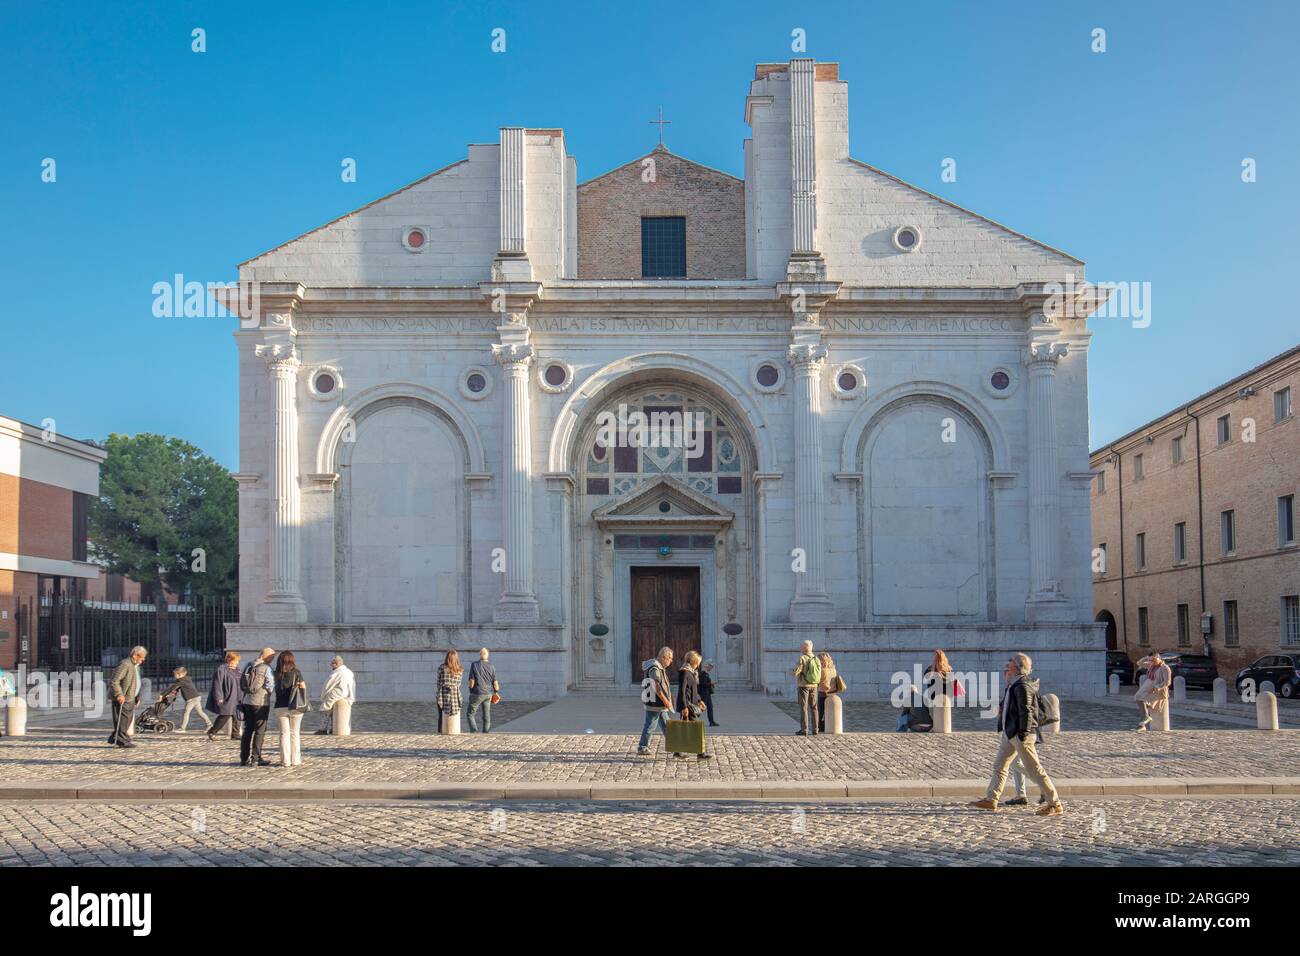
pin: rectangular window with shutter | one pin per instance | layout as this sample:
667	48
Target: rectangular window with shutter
1231	636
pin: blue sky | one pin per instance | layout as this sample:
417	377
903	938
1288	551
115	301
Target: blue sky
170	161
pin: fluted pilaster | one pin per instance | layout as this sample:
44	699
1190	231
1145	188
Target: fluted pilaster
284	598
518	603
1045	601
811	602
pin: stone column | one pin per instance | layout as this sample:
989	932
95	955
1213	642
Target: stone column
283	602
810	604
1045	602
518	603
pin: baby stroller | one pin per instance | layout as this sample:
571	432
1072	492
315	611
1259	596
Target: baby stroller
152	719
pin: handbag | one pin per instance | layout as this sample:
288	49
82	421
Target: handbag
496	698
839	686
684	736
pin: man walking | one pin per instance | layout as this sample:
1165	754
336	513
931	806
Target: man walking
482	687
339	686
125	689
808	675
655	695
1017	727
255	686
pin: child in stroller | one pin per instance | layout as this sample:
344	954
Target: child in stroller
151	718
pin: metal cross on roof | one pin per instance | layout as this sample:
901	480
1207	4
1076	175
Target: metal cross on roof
662	123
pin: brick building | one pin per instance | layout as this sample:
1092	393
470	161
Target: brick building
1194	524
46	483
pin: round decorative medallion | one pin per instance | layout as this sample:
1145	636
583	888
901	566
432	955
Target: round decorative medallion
414	238
732	628
599	630
324	383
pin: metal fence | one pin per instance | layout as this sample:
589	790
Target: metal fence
70	633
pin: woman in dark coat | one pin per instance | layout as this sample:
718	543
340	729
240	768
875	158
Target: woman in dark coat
223	697
689	703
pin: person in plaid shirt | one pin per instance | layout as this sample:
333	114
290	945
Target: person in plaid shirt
449	675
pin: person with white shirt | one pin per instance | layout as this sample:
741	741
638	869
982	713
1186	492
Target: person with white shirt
340	685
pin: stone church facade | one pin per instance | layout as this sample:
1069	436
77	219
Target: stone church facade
574	422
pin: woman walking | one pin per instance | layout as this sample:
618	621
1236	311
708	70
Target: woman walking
290	705
1153	695
449	700
828	685
689	703
223	698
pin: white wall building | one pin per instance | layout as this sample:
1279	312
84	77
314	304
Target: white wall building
890	446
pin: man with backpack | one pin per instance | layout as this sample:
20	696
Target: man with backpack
808	675
1018	723
255	689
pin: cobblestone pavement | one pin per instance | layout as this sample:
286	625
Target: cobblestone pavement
82	755
882	716
1239	832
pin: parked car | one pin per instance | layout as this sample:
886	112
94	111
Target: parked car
1196	670
1117	662
1282	669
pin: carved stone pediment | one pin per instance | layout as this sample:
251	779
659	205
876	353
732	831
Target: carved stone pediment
643	508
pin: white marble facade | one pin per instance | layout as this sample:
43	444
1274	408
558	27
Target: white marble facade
418	412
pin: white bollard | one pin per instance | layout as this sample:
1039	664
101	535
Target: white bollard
1180	689
1056	727
451	724
1161	719
1267	688
16	711
341	717
1220	692
1112	686
834	714
1266	711
942	714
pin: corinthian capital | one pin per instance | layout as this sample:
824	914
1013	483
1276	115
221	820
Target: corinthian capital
278	356
512	353
1046	353
807	357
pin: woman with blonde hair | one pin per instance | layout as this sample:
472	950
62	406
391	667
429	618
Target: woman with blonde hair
828	685
689	703
449	675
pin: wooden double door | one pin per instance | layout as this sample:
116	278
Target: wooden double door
665	613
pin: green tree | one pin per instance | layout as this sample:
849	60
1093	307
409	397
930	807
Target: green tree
161	500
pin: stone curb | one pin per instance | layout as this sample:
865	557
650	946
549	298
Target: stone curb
814	790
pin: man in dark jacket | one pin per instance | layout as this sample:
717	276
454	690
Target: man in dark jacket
125	690
223	698
1017	728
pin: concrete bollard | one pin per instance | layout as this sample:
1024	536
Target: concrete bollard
341	715
1267	688
16	713
451	724
1160	719
1266	711
1056	705
834	714
942	714
1112	685
1180	689
1220	692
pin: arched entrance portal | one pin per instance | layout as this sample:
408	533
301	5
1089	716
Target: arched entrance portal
664	530
1112	636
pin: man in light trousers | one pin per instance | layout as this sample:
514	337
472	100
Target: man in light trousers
1017	727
